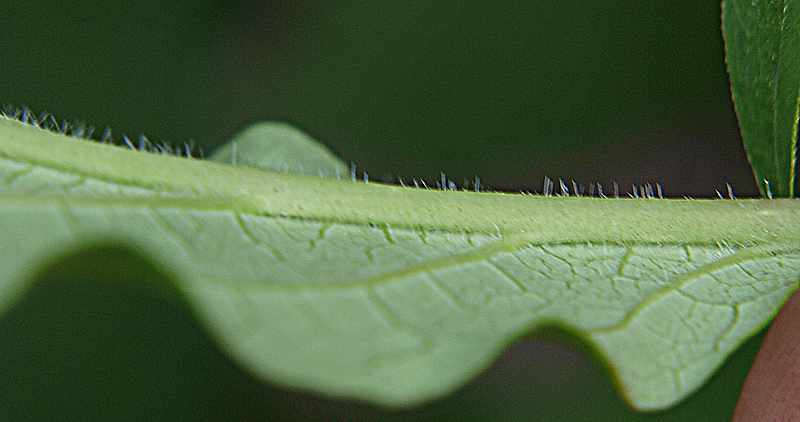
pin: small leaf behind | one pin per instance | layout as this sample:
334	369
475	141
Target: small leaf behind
280	147
762	39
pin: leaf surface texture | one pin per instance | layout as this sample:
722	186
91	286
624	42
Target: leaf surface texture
396	295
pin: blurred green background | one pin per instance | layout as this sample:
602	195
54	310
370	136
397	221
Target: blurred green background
624	90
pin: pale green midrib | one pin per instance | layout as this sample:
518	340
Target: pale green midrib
776	139
515	244
508	243
741	256
796	116
310	198
793	145
793	148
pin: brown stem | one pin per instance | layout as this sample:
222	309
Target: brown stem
772	389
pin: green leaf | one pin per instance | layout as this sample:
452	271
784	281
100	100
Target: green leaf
762	39
282	148
396	295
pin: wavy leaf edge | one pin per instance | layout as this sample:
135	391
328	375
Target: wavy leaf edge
754	233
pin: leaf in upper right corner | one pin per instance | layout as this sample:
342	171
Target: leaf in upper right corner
762	39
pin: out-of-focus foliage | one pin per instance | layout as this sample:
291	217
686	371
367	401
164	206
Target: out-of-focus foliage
619	89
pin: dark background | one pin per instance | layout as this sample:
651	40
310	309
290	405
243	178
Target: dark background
625	90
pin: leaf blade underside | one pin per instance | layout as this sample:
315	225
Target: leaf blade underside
762	42
396	295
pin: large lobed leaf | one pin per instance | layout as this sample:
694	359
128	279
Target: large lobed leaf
762	40
397	295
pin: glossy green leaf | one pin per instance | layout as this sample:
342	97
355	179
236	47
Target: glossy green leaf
762	39
396	295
